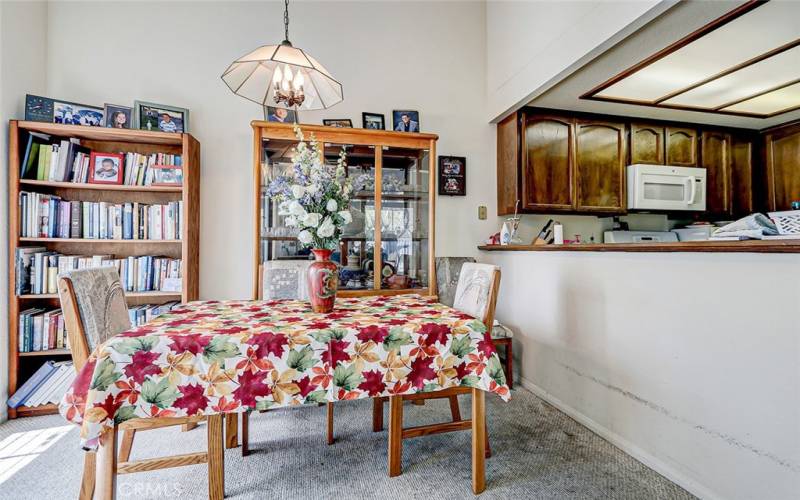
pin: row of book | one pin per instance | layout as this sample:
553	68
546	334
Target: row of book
143	314
37	269
47	385
66	160
49	216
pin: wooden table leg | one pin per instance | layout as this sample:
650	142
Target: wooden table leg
245	433
329	409
89	473
106	486
126	445
231	430
510	365
395	435
216	457
478	442
455	411
377	414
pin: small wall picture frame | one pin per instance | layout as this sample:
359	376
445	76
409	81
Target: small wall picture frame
167	175
117	116
106	168
160	118
373	121
452	175
338	122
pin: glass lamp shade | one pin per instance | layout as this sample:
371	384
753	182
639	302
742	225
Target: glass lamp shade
251	76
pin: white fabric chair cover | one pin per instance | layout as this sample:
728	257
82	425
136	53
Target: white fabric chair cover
474	287
285	279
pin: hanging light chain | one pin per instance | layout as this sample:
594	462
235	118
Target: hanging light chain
286	20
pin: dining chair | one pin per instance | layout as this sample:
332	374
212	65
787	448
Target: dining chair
94	307
476	295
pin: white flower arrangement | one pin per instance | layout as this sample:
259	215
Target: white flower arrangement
315	197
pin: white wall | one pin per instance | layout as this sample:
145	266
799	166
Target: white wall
428	56
690	362
532	45
22	70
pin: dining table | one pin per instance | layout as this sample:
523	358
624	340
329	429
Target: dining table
225	357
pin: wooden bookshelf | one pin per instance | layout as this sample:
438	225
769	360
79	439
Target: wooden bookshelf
22	365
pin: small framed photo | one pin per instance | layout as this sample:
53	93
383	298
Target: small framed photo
72	113
160	117
338	122
106	168
167	175
405	120
280	115
452	175
117	116
373	121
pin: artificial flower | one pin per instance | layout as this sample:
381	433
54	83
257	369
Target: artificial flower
305	237
346	216
326	229
295	208
298	190
312	219
331	206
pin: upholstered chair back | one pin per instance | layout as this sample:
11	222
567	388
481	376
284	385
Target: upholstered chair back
476	293
448	269
94	308
285	279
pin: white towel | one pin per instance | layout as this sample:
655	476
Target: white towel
753	226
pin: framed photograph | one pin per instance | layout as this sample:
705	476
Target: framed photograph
106	168
405	120
160	117
38	109
72	113
452	175
280	115
338	122
117	116
373	121
167	175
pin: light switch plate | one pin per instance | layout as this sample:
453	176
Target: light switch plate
481	212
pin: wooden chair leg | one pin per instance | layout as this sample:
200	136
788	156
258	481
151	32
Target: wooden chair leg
395	435
488	448
188	426
89	473
478	442
245	433
455	411
106	485
231	430
216	457
377	414
509	365
126	444
329	407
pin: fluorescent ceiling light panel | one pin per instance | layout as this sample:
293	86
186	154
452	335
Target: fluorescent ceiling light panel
770	103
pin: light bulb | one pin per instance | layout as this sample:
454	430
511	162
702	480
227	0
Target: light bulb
278	76
287	73
298	80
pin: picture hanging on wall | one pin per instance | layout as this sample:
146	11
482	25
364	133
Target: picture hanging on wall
452	175
160	118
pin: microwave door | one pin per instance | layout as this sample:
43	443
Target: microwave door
666	192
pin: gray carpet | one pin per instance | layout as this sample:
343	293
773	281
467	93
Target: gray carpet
538	452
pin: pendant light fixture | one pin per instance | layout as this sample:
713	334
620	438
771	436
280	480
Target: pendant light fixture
283	76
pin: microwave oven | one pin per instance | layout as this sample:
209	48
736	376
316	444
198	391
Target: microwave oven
666	187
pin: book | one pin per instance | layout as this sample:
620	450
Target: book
33	383
48	388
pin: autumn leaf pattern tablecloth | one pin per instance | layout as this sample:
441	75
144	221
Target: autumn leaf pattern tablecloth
232	356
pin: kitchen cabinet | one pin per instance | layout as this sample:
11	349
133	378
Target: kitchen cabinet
508	163
715	157
647	144
681	146
600	157
741	175
547	163
782	152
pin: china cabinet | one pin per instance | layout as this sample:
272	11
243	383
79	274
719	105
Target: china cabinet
388	248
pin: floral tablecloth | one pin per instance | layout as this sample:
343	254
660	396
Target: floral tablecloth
232	356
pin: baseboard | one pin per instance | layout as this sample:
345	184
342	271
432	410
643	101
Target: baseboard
623	444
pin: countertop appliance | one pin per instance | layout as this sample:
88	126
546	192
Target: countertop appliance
639	237
666	187
695	233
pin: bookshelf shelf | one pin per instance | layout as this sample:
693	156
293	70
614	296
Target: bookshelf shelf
102	140
102	187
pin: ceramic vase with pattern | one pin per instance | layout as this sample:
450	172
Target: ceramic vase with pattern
323	281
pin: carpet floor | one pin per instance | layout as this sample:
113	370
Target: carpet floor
538	453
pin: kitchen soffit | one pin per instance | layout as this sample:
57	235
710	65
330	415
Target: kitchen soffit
747	63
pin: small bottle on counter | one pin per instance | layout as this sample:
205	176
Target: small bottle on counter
558	234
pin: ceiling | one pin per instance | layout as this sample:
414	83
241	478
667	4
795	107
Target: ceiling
724	63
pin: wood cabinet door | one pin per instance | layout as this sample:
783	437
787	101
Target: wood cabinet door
647	144
783	168
508	165
681	146
741	177
600	155
715	157
547	163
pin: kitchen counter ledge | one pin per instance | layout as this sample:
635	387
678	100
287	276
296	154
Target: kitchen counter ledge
750	246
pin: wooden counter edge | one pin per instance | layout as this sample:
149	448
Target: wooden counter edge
749	246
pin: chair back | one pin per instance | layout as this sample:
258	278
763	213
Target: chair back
448	269
94	308
285	279
476	293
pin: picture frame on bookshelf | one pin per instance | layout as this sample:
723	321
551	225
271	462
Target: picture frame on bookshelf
280	115
160	117
405	121
167	175
117	116
106	168
49	110
338	122
373	121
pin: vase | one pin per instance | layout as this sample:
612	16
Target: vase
323	281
